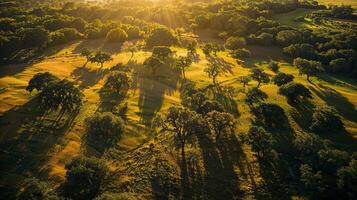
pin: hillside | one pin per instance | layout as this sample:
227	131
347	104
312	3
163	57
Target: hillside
146	163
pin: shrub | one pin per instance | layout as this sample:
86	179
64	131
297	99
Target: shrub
288	37
282	78
103	129
273	66
325	119
117	35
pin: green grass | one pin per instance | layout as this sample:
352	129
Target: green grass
45	153
290	17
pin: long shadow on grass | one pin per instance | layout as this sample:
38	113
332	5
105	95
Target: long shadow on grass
339	102
220	179
279	173
87	77
152	89
26	137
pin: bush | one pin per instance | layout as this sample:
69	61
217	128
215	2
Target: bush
161	36
301	50
273	66
85	177
294	91
282	78
116	35
325	119
264	39
161	52
103	129
234	43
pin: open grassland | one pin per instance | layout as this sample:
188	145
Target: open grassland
353	3
28	146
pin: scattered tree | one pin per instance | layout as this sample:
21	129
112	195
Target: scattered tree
294	92
161	36
88	54
308	67
117	35
282	78
260	141
220	122
153	62
233	43
118	82
260	76
245	80
183	63
325	119
101	58
40	81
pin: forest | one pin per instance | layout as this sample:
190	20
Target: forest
178	99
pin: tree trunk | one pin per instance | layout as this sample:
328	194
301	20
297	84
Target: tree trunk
183	73
258	84
101	65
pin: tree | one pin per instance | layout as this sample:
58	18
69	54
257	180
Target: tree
270	115
40	81
233	43
182	63
192	51
182	123
209	106
308	67
61	95
294	91
288	37
273	66
347	179
313	182
161	52
116	35
325	119
131	47
208	48
34	37
240	53
282	78
259	75
101	58
116	196
118	82
220	122
306	51
245	80
88	54
255	95
103	129
214	69
32	189
260	141
85	177
161	36
340	65
154	63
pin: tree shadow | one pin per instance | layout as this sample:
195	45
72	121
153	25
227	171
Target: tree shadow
99	44
152	89
224	96
302	114
87	77
26	137
226	67
220	179
109	100
339	102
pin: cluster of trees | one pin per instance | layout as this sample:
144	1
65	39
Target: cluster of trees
55	94
95	57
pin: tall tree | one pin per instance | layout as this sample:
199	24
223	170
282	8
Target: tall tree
308	67
260	76
101	58
182	63
220	122
88	54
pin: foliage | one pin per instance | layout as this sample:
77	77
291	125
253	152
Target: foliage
325	119
115	196
308	67
100	58
220	122
233	43
41	81
282	78
313	182
161	52
87	53
260	76
85	177
117	35
255	95
294	91
288	37
32	189
153	62
103	129
161	36
245	80
241	53
118	82
273	66
183	63
347	179
260	141
270	115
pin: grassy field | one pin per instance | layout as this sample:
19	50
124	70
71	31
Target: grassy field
31	147
353	3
